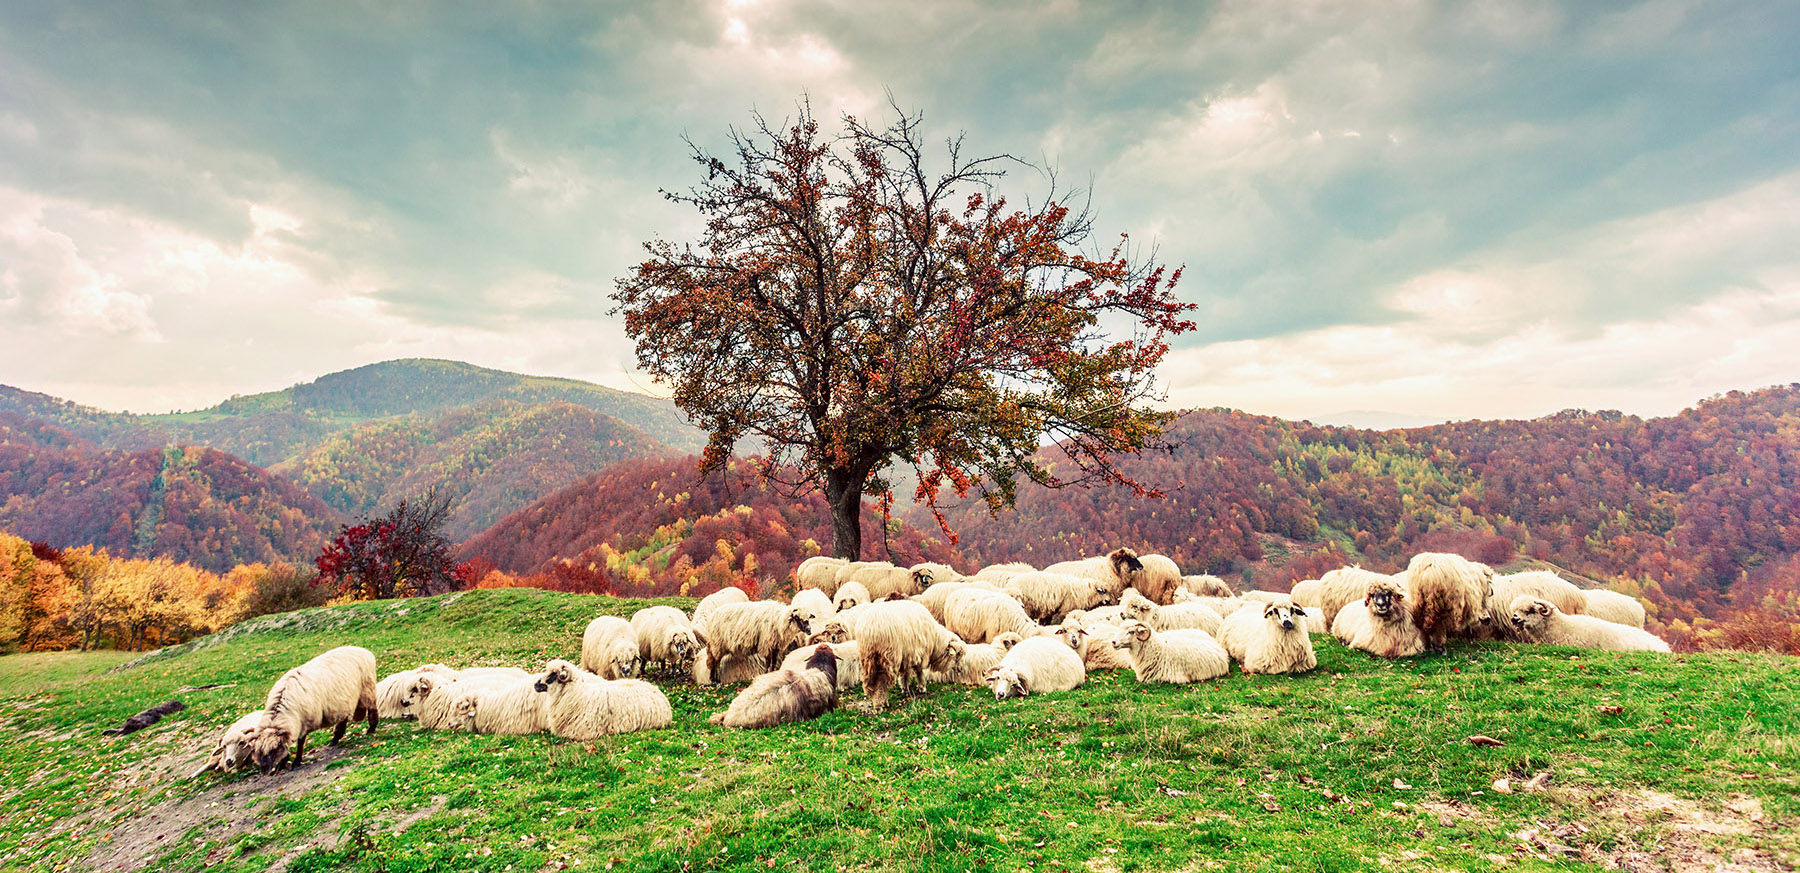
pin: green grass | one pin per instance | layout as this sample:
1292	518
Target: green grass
1246	772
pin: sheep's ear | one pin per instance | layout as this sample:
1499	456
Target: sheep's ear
1142	632
424	684
1270	610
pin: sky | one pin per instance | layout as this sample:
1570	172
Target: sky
1430	210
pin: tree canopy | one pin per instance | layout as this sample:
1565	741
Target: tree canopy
857	300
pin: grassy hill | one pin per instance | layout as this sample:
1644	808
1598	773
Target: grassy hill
1654	762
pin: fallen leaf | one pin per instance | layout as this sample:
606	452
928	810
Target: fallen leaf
1400	785
1503	786
1485	740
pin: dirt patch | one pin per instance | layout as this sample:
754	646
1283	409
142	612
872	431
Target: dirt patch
331	841
1662	832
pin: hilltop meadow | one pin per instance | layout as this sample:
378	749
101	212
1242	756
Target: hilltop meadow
1610	761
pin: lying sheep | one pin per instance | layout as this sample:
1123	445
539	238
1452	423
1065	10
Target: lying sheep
819	572
609	648
330	690
1539	621
730	670
849	660
1114	614
721	597
1342	586
1047	597
512	707
850	568
814	599
1002	573
1380	623
436	695
233	750
978	615
1035	666
761	631
1445	593
1093	642
786	695
900	641
1614	607
582	706
1272	641
1176	657
665	637
394	693
1305	593
977	659
1192	614
415	694
1206	585
850	595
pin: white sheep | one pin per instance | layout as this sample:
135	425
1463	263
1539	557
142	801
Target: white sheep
1001	573
935	574
1614	607
1035	666
1175	657
1342	586
1158	578
978	615
819	571
1047	597
899	642
233	749
583	706
730	670
785	696
1204	585
1272	641
665	637
977	659
512	707
1446	594
1116	569
728	594
849	660
1539	621
1380	623
330	690
393	694
933	597
882	580
1260	596
1093	640
816	600
1305	592
851	595
609	648
761	630
435	695
1190	614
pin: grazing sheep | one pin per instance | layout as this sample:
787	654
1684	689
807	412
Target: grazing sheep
233	750
394	695
1175	657
786	695
1614	607
1343	586
761	630
851	595
978	615
1380	623
665	637
1047	597
900	641
883	580
1539	621
816	600
1205	585
582	706
721	597
977	659
1192	614
609	648
1273	641
1445	594
849	660
330	690
819	572
512	707
1305	592
1035	666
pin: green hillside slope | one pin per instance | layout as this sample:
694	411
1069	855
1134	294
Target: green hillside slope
1648	761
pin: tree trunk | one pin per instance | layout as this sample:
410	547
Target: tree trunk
843	490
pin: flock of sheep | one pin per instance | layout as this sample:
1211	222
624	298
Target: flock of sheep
1012	627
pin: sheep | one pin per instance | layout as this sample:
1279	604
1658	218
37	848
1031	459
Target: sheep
233	750
1614	607
1093	642
436	695
979	616
1260	596
1272	641
849	660
394	694
816	600
665	637
1539	621
1047	597
1175	657
1380	623
1114	614
1035	666
880	580
330	690
1205	585
1176	616
609	648
1445	594
1305	592
977	659
721	597
851	595
1541	584
786	695
514	707
1113	569
851	568
935	574
729	670
1342	586
933	598
900	641
760	630
1001	573
819	571
582	706
1158	578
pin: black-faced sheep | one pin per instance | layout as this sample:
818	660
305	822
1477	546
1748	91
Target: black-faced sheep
978	615
882	580
1271	641
1175	657
934	574
583	706
330	690
1117	569
1093	641
1380	623
761	631
1445	593
1035	666
1342	586
1614	607
1047	597
899	642
786	695
1541	622
1189	614
665	637
609	648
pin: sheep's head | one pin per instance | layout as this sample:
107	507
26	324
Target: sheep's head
462	714
1385	598
801	618
1006	682
847	600
834	631
1132	635
1070	635
269	747
823	658
1007	640
1182	595
1531	614
626	661
1285	616
1136	605
945	659
922	578
557	672
1125	563
682	645
1103	596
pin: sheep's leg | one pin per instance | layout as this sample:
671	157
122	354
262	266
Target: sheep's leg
337	733
299	752
374	716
